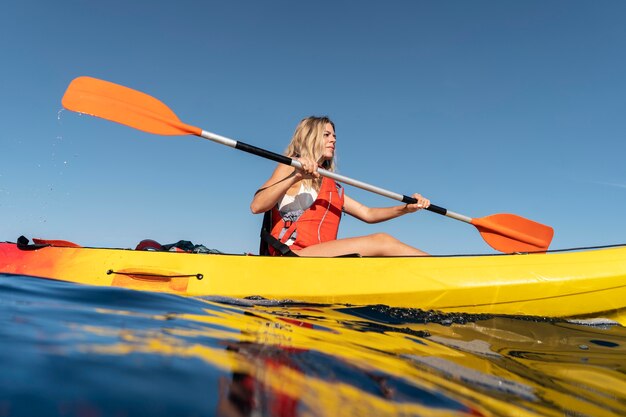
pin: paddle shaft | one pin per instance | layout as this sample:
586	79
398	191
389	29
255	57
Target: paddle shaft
329	174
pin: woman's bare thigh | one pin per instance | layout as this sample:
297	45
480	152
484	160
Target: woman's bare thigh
379	244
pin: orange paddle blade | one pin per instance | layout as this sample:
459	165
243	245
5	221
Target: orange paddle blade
511	233
124	105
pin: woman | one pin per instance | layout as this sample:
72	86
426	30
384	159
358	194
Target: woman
306	207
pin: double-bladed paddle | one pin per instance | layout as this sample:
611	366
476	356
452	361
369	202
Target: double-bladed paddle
503	232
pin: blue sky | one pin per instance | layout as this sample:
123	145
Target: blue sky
483	106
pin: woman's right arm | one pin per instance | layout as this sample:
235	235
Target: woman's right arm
283	177
274	188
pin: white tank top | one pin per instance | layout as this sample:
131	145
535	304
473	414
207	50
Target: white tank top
291	207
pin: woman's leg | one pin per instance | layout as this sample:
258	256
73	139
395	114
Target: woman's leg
379	244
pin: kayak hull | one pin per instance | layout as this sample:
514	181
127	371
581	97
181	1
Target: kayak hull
567	284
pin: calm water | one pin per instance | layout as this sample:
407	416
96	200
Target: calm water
70	350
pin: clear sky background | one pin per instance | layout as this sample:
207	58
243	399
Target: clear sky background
483	106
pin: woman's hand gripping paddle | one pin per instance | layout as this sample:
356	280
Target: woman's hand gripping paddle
503	232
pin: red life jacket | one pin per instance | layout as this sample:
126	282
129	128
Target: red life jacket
319	223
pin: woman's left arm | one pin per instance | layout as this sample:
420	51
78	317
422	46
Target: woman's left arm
380	214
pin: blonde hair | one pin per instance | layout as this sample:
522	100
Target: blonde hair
308	142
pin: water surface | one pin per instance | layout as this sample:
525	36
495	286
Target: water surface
72	350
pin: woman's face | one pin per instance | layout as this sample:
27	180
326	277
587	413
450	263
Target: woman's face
329	142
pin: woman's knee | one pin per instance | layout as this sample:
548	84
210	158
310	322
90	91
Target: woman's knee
383	238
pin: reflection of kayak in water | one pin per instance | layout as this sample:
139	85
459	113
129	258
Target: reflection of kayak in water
553	361
279	381
563	284
336	359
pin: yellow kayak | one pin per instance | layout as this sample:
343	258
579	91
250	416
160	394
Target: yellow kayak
588	283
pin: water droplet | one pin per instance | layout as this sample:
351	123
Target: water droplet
583	347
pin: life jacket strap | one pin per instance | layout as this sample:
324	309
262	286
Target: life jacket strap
276	244
268	240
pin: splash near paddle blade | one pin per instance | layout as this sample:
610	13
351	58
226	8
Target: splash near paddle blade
510	233
124	105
